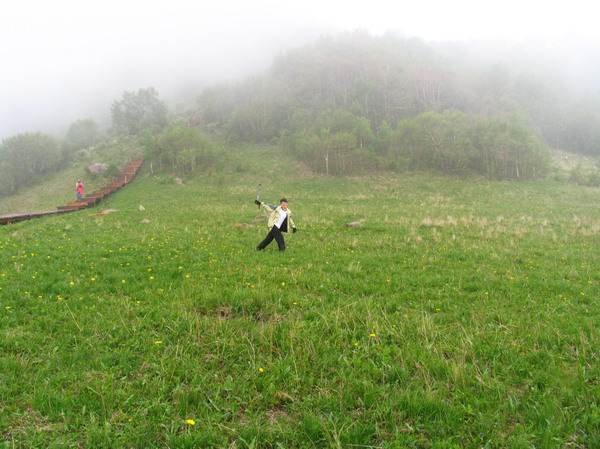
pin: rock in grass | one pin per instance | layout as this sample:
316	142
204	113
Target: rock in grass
354	224
98	168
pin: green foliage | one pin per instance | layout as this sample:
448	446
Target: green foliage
81	134
585	177
112	172
462	314
137	112
496	147
179	149
25	157
335	142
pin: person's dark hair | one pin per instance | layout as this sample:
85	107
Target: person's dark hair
282	200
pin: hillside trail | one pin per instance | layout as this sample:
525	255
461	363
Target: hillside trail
127	175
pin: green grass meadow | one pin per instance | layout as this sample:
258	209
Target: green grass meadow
461	314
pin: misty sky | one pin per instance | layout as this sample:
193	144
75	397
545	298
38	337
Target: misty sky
64	60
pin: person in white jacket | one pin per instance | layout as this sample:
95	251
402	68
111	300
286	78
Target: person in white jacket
280	221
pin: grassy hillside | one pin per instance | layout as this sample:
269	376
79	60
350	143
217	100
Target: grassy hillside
59	187
460	315
57	190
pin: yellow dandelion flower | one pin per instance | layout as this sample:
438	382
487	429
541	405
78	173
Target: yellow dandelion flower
7	307
191	422
260	370
372	335
283	284
122	281
158	342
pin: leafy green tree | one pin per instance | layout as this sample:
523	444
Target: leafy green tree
8	179
217	103
508	149
496	147
81	134
179	149
27	156
138	111
32	153
580	129
363	132
433	140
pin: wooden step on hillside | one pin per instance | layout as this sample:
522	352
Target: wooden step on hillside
92	200
13	218
75	205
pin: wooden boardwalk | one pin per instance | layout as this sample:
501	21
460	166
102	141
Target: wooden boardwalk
127	175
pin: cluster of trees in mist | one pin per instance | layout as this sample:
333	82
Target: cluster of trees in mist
357	103
25	159
354	104
170	145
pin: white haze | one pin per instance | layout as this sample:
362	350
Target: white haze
65	60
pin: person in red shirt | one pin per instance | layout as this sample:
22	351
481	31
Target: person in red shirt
79	189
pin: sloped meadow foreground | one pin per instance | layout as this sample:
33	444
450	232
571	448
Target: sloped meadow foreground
461	314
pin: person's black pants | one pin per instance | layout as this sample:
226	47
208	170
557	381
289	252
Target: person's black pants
276	234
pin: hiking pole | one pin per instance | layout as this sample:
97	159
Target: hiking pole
258	193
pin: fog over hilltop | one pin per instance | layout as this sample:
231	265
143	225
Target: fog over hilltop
68	60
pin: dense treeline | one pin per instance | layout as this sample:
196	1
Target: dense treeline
358	103
354	104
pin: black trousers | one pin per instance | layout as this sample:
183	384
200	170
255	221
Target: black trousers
276	234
